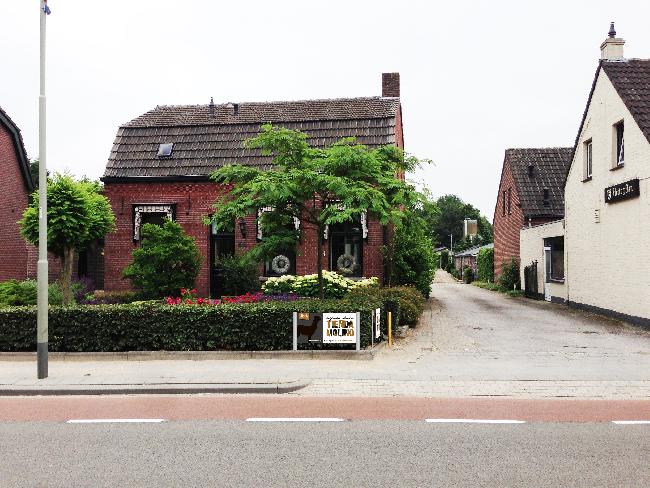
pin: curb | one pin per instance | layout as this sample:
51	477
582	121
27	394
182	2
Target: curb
364	355
186	389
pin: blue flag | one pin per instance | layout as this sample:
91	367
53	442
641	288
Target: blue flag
46	9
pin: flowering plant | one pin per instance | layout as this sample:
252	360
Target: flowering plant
188	297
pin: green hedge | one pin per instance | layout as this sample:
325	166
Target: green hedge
153	327
485	265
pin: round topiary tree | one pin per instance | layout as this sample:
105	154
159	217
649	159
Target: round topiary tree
167	260
77	214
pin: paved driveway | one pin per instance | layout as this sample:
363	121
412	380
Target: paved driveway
474	342
479	334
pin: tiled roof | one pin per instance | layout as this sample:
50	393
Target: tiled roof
550	166
202	143
631	78
19	147
474	250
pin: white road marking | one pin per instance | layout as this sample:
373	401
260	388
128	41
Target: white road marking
115	421
631	422
294	419
474	421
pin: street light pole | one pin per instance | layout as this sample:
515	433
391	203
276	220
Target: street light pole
42	269
452	242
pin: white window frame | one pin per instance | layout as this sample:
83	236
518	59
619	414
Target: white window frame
143	208
589	158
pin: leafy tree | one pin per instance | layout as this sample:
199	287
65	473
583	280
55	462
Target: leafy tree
77	214
302	178
166	261
452	211
415	262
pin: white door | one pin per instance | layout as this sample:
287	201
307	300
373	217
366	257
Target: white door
547	273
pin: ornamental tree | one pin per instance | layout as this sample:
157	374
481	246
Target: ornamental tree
77	214
166	261
303	179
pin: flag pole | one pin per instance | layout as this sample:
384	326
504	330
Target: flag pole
42	268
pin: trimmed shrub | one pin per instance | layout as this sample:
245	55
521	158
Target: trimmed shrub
468	274
239	274
485	265
18	293
151	327
167	260
509	278
405	302
100	297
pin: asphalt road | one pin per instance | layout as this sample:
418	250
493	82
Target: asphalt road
238	440
351	453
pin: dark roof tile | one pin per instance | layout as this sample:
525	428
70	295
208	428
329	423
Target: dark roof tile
550	166
202	143
631	78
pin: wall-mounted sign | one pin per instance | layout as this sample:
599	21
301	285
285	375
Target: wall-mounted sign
622	191
340	328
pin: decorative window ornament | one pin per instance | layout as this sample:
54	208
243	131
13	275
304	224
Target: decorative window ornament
281	264
346	263
364	226
260	234
139	210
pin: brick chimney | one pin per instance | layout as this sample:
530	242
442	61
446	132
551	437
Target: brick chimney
612	47
390	85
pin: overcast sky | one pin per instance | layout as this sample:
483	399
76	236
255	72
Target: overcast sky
477	76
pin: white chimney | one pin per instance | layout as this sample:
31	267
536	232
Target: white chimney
612	47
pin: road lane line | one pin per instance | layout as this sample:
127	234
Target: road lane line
474	421
631	422
294	419
115	421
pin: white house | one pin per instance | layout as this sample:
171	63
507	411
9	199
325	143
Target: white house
607	192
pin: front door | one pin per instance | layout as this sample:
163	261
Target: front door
547	274
222	243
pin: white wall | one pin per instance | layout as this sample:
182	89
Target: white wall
607	264
531	248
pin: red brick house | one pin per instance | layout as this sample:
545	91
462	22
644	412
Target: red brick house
160	164
531	192
15	187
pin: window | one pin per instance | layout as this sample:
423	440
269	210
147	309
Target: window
165	150
346	247
588	155
619	134
556	269
151	214
223	242
509	200
283	261
546	198
503	200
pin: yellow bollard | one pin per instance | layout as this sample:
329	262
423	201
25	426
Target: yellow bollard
390	329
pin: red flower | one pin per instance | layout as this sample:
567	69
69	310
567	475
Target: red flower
199	301
183	291
193	291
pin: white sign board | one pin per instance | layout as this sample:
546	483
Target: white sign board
377	322
340	328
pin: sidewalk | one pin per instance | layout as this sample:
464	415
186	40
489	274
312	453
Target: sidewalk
470	342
